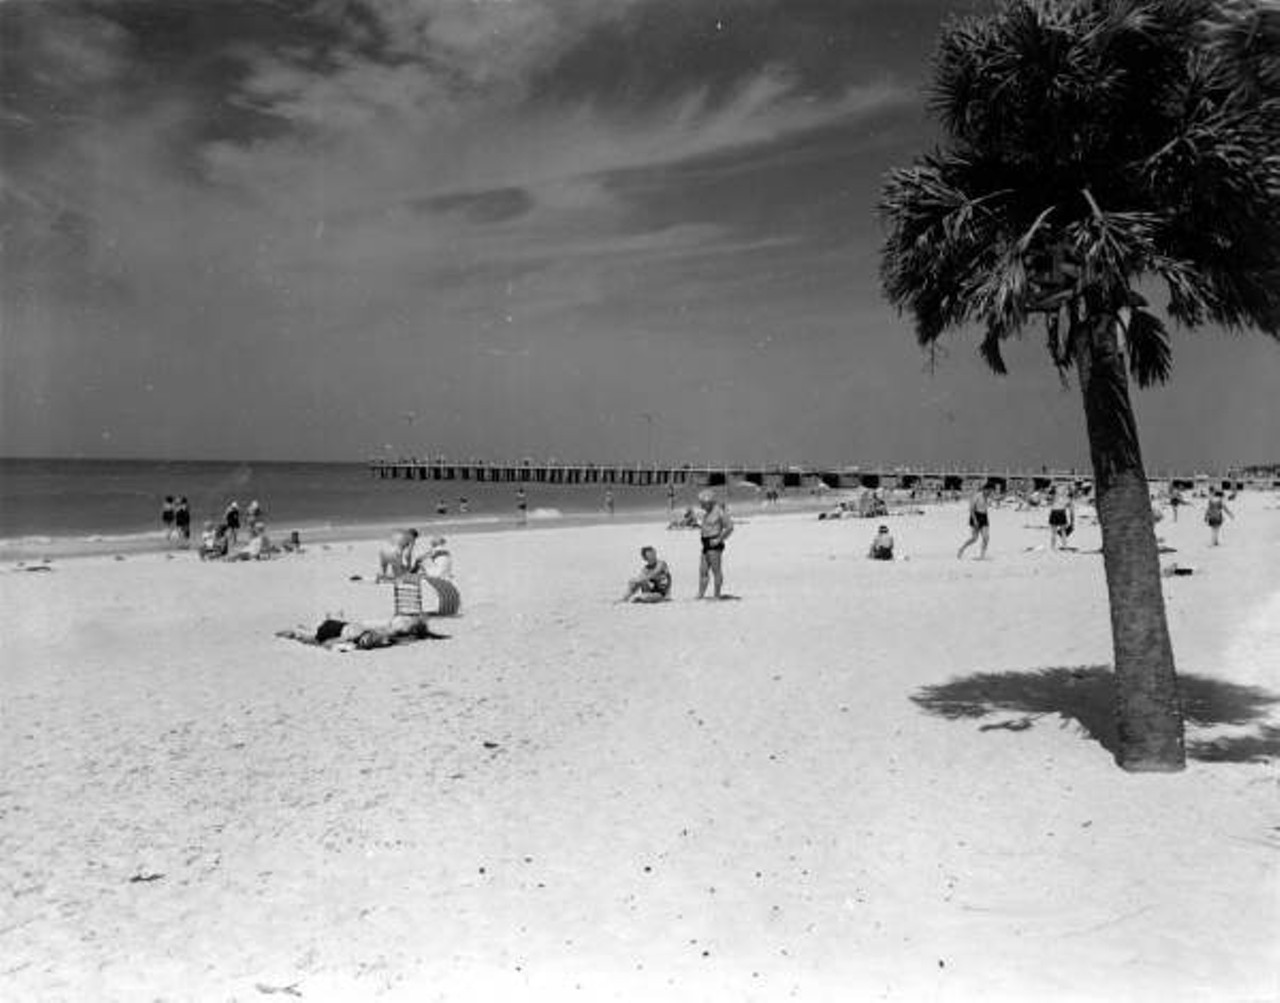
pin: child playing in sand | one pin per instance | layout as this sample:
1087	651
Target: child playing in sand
653	583
882	545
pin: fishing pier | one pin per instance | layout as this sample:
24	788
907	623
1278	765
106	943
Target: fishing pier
761	476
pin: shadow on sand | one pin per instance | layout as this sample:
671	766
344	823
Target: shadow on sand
1086	694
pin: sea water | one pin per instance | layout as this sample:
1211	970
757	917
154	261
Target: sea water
61	500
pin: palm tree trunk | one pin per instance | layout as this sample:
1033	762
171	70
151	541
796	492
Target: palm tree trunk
1149	714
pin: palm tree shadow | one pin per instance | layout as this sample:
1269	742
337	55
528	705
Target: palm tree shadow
1086	695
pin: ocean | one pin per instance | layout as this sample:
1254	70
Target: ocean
102	500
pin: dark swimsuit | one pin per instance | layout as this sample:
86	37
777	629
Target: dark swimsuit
328	630
1058	517
709	547
978	519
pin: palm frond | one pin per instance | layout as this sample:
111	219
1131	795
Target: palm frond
989	349
1150	357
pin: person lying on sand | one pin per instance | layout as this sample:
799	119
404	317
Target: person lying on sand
653	583
882	546
396	558
347	635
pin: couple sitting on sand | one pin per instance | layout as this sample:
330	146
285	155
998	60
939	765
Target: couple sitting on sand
402	558
363	635
216	543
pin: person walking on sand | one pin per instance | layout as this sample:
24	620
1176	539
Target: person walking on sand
1176	500
1213	515
671	499
608	502
715	529
979	522
231	518
182	520
254	512
1062	518
522	507
166	517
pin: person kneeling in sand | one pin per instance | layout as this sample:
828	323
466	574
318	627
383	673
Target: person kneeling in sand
653	584
396	558
344	635
882	546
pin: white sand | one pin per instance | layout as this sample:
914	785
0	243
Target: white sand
733	801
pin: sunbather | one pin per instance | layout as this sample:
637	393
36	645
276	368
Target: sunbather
344	635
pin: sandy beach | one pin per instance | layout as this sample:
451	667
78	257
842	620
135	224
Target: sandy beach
862	780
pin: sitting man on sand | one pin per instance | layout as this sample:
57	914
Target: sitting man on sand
213	541
346	635
653	583
396	558
882	546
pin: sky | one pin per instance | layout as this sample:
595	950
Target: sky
597	230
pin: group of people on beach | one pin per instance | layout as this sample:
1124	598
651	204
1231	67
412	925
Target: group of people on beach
220	539
403	556
175	519
1062	515
715	526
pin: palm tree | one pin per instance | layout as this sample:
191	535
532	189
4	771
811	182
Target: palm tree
1093	149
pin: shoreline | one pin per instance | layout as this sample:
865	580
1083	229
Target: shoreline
44	548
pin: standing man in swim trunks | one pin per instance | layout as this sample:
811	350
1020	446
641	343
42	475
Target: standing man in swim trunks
1062	517
979	523
1213	515
522	507
715	529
